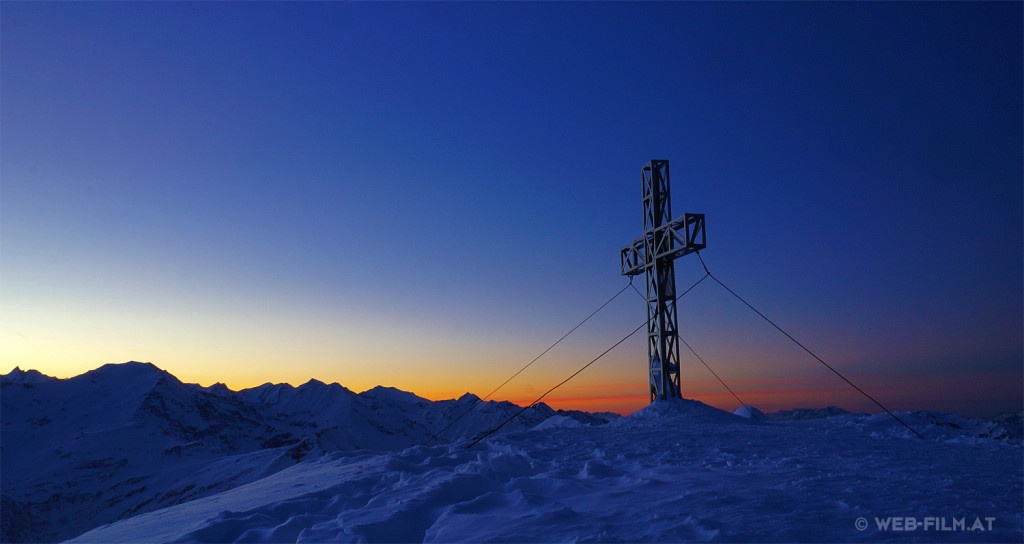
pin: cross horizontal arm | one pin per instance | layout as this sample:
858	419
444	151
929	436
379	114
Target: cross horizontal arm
681	236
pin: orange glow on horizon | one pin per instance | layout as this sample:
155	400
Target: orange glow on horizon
948	392
620	404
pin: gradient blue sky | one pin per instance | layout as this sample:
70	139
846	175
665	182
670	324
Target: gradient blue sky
427	195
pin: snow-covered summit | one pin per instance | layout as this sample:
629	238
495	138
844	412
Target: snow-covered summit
133	446
383	393
691	411
26	376
218	389
468	398
676	471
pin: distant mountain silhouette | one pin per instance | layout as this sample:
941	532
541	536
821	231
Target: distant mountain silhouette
129	438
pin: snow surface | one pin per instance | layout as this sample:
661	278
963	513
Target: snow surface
680	471
676	471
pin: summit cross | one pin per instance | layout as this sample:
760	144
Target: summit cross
654	254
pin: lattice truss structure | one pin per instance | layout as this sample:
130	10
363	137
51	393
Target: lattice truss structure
654	254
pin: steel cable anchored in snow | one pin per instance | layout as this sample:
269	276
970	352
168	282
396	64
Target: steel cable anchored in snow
713	373
535	359
574	374
707	274
699	358
803	347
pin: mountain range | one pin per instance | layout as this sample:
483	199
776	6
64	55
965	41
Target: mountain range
127	452
129	438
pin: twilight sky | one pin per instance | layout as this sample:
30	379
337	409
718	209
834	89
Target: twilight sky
427	195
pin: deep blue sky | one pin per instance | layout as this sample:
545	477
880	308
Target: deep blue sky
427	195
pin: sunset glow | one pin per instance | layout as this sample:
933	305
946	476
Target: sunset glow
428	195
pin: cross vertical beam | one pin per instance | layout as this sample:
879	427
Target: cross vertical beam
654	254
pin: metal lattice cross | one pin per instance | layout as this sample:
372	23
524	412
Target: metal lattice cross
654	254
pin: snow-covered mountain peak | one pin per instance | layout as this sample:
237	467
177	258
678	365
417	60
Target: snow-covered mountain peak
383	393
312	383
26	376
219	389
268	393
283	393
131	375
319	388
333	388
129	366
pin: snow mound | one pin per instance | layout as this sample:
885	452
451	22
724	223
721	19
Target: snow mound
749	412
1013	422
943	426
680	410
556	422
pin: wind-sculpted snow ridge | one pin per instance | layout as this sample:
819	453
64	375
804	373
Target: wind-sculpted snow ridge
677	471
126	439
